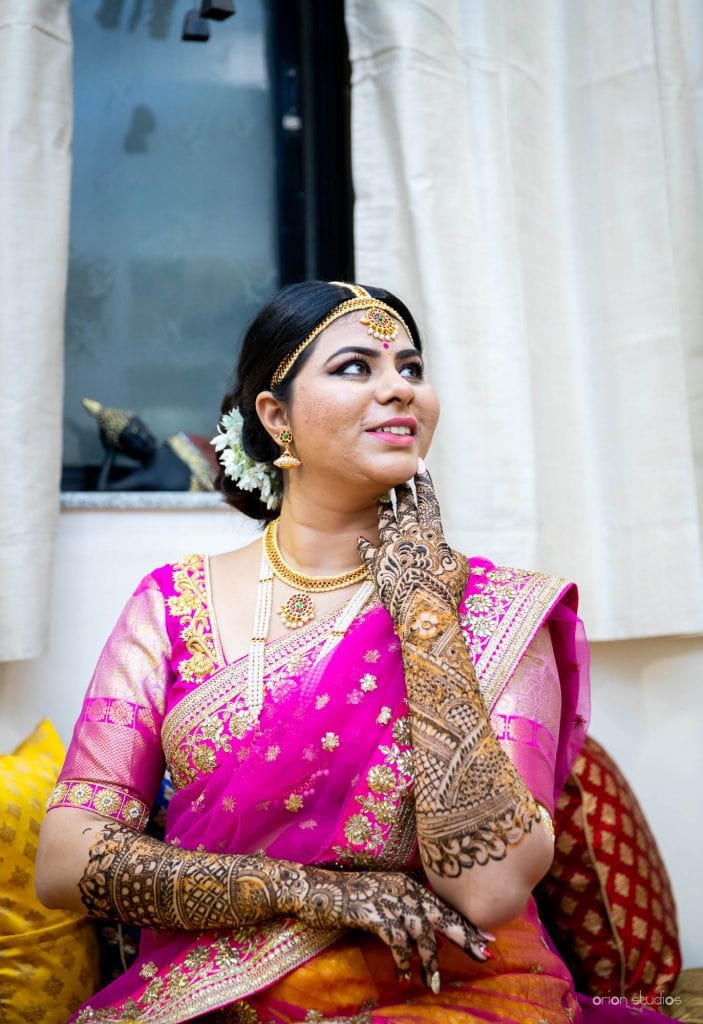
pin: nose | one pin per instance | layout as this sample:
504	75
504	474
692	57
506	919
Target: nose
393	387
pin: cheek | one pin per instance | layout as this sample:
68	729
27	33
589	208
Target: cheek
431	407
317	417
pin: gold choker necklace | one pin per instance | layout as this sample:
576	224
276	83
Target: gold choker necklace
299	609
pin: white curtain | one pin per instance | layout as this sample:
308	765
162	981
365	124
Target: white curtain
35	138
528	176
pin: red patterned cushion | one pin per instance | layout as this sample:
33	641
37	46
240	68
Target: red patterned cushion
607	898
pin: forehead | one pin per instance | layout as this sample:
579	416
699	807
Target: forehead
349	330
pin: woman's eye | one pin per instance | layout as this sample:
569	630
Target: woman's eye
414	370
354	368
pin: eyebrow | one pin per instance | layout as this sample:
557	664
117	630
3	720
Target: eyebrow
372	353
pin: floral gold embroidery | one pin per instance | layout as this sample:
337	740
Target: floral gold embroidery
357	829
322	701
401	731
384	716
189	606
372	656
368	682
108	801
330	741
500	618
381	779
294	802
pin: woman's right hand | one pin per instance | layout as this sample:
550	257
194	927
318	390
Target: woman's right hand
390	905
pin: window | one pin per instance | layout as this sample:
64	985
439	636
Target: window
205	175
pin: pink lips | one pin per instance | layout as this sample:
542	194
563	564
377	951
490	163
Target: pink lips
400	440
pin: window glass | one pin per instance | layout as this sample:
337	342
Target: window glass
173	219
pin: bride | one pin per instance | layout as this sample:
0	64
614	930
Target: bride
366	731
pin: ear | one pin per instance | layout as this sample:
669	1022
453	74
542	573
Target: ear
272	413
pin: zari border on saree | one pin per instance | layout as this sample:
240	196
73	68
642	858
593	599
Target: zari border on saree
212	973
501	612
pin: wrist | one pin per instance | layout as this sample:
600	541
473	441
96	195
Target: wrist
424	621
289	886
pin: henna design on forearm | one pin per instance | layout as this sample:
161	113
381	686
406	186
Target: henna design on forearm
151	884
471	804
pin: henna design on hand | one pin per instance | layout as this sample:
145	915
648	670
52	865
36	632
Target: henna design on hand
471	804
393	906
152	884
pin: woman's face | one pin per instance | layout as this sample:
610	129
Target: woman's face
360	408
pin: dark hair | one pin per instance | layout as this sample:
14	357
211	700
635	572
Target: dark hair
277	329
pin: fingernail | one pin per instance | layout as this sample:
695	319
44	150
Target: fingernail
435	983
489	955
487	936
421	467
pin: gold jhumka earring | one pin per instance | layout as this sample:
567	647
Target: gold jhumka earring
286	460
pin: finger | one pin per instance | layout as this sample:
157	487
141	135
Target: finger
407	510
427	951
468	938
387	526
428	511
458	930
366	550
396	939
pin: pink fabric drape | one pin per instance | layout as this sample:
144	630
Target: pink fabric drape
325	777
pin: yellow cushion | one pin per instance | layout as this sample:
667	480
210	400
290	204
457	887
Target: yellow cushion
686	1001
49	959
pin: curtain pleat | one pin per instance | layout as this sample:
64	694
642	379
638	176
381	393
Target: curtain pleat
35	160
528	177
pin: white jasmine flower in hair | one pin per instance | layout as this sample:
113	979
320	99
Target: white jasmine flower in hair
248	474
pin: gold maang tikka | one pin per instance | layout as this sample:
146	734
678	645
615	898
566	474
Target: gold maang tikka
380	319
286	460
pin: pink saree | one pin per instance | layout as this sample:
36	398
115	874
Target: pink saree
326	778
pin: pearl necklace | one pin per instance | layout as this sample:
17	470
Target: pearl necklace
262	623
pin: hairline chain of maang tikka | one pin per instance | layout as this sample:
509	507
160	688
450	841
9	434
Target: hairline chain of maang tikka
381	323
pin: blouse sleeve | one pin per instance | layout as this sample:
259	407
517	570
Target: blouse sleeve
114	763
527	718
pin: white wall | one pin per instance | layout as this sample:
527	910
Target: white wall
647	694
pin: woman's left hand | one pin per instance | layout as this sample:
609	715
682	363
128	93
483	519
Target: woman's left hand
413	560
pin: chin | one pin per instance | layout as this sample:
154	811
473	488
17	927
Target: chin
400	474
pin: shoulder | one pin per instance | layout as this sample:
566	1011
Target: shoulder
169	577
495	589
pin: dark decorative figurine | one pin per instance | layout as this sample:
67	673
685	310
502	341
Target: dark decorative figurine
182	463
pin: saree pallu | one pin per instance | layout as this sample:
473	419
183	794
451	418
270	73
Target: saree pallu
324	778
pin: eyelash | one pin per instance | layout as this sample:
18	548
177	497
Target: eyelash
415	364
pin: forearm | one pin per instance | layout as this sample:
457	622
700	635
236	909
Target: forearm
147	883
472	806
152	884
90	862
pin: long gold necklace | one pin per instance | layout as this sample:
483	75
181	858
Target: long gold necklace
299	609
